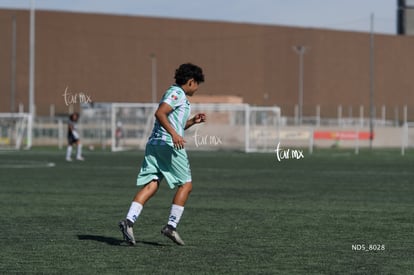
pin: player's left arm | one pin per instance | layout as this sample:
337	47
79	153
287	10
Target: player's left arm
72	130
198	118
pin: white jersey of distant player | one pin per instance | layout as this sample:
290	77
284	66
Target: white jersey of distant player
73	129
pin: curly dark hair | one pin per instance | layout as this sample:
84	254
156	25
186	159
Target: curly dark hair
187	71
72	116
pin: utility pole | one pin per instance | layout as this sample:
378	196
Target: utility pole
153	78
32	59
300	50
371	83
13	66
31	72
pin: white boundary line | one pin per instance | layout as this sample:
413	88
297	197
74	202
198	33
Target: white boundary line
27	164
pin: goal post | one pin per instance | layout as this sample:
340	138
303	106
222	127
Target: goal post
131	125
223	130
15	131
407	137
262	128
238	127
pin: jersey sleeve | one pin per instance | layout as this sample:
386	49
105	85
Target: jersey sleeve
174	98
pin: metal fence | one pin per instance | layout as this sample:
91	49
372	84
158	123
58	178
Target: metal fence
97	129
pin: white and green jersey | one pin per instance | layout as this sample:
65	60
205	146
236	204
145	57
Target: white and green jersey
176	98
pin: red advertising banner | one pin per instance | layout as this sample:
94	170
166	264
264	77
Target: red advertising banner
341	135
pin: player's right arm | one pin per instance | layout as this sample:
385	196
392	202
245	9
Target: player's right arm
162	116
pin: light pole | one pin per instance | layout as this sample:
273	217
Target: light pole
13	66
32	58
31	72
371	83
300	50
153	78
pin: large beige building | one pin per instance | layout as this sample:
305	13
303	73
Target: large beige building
108	58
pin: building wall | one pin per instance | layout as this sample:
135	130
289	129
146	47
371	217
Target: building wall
108	58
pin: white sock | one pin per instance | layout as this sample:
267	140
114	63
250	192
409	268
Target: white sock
69	151
79	151
175	215
134	211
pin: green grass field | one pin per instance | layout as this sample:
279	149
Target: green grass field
248	214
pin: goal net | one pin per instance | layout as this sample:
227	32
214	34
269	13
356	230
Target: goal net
229	127
131	125
15	131
262	128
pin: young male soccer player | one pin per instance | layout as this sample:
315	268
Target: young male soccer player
73	138
165	156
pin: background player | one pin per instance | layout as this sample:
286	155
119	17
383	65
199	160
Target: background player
73	138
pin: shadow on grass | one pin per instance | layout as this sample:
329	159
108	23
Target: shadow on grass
112	241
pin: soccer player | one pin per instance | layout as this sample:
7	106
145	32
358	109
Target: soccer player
73	138
165	156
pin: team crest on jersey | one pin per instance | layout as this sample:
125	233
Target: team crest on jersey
175	97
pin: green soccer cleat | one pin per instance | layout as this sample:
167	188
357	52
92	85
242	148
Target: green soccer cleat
127	232
172	234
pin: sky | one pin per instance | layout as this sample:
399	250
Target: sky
347	15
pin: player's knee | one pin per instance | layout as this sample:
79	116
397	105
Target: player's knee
152	186
188	187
